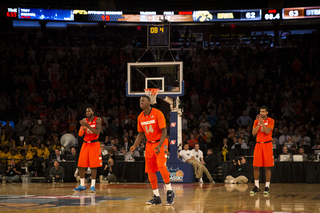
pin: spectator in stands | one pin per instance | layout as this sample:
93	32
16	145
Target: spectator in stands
203	116
127	155
204	123
212	119
38	130
43	152
202	140
58	156
73	151
3	136
19	130
107	141
115	150
8	128
126	144
117	143
55	132
56	173
9	141
209	136
224	148
222	123
56	144
103	149
301	152
192	123
239	142
243	138
244	120
14	155
284	137
29	154
290	142
187	156
296	138
285	152
241	171
192	141
13	172
305	140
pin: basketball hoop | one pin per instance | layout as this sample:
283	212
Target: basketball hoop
152	93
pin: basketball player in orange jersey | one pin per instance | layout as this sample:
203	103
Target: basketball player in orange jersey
263	151
152	124
90	154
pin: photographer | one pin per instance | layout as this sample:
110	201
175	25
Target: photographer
107	172
241	171
56	173
13	172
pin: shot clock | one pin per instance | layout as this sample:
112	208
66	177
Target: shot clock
158	35
270	15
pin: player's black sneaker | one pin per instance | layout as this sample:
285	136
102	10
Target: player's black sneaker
156	200
254	190
170	197
266	190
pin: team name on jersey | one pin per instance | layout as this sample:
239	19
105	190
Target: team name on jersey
148	122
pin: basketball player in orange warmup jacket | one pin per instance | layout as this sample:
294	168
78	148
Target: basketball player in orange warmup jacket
263	151
152	124
90	154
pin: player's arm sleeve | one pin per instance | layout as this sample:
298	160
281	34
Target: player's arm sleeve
161	120
140	129
255	124
271	124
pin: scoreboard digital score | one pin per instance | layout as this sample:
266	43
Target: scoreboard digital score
158	35
301	12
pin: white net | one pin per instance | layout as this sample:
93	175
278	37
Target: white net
152	93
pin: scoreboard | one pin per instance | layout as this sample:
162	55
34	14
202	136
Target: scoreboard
158	17
301	12
229	15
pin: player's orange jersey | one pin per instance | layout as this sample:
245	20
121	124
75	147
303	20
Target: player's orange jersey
90	136
152	124
261	135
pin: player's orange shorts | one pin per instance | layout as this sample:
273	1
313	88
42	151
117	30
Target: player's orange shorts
90	155
263	155
153	160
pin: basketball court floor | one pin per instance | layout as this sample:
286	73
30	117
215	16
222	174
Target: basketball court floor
121	198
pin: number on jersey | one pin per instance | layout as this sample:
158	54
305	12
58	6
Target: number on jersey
150	129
